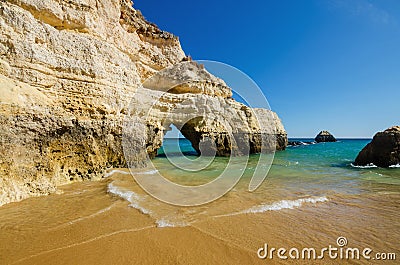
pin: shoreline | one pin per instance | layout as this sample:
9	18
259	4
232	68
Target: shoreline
101	228
109	171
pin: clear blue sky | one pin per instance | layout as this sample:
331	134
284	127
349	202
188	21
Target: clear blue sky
323	64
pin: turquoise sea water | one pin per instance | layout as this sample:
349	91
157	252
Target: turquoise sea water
311	196
313	175
316	169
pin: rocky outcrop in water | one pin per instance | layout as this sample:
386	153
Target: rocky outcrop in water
300	143
71	72
325	136
383	150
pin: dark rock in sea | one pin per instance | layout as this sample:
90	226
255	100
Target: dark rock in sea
299	143
325	136
383	150
295	143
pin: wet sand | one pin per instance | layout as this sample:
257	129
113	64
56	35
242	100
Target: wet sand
88	225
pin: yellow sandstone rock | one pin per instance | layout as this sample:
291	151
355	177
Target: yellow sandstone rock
70	73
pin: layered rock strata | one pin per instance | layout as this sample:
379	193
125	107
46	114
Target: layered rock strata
72	72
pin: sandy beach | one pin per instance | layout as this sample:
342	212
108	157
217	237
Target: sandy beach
88	225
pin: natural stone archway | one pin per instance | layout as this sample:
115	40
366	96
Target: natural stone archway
69	83
188	130
214	125
206	143
169	129
205	113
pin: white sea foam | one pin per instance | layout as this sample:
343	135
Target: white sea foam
128	195
165	223
285	204
112	172
280	205
135	202
150	172
371	165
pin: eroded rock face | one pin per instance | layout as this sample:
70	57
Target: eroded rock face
68	70
71	72
383	150
325	136
207	114
188	77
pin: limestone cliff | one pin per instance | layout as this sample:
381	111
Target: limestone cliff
70	73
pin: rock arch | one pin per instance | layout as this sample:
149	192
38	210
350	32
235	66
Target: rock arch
167	135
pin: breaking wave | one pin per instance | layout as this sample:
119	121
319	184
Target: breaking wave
284	204
280	205
136	202
128	195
